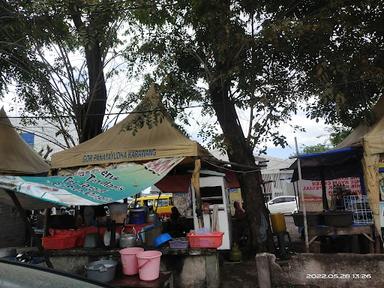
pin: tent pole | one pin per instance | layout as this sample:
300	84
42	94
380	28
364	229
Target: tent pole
196	187
47	213
23	215
300	192
323	190
296	196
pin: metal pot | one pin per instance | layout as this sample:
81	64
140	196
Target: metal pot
102	270
127	240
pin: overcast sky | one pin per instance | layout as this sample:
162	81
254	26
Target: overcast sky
315	132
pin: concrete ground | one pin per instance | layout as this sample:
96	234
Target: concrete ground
244	274
292	229
238	275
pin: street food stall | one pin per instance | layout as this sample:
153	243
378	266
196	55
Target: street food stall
341	211
359	209
93	179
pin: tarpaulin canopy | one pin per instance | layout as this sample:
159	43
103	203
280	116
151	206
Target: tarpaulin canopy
147	133
367	130
333	164
370	136
93	186
16	156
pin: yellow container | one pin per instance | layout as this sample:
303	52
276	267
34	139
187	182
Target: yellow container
278	223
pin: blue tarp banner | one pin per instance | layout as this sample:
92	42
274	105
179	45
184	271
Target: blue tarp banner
93	186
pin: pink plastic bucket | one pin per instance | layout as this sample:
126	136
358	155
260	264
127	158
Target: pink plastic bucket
149	265
129	260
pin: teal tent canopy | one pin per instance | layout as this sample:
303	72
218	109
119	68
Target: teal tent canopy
93	186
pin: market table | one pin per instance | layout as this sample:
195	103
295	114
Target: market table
165	280
321	230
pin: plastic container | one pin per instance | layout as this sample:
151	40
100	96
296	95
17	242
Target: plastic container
59	242
278	223
162	239
102	270
78	234
149	265
313	219
206	240
338	218
137	216
181	243
129	260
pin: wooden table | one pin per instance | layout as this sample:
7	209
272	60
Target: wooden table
366	230
165	280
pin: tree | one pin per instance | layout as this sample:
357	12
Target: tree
338	48
318	148
338	134
17	60
215	48
72	93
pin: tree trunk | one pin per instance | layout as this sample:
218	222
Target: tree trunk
94	108
92	111
239	151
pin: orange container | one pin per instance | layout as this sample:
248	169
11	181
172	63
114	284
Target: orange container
59	242
78	234
206	240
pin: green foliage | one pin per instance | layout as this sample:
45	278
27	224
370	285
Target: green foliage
338	48
338	134
17	60
203	43
318	148
51	80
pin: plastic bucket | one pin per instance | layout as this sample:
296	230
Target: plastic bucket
137	216
278	223
149	265
129	260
